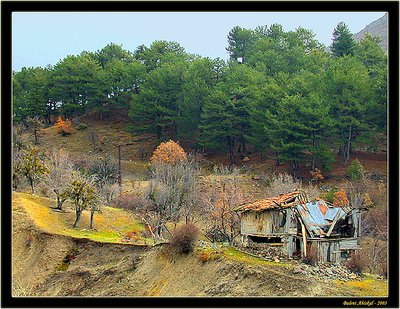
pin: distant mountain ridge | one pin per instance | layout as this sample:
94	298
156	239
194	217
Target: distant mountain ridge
378	28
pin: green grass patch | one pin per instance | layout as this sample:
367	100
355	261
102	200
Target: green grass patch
233	254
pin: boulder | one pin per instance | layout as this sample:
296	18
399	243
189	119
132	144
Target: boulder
297	270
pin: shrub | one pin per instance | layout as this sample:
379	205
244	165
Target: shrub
168	152
64	127
224	170
81	126
357	262
316	175
44	190
355	170
340	199
206	256
330	195
184	237
130	201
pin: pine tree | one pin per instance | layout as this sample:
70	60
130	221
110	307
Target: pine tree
342	42
346	88
240	41
225	118
158	106
370	53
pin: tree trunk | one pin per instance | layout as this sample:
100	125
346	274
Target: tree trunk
47	119
346	154
231	145
76	117
313	155
158	132
78	218
35	131
159	231
60	202
91	219
294	169
341	149
277	161
32	185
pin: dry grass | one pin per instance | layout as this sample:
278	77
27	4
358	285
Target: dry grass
110	133
110	226
22	289
368	286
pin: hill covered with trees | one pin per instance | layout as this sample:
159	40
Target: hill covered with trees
280	94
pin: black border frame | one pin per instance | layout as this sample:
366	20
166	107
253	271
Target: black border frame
7	7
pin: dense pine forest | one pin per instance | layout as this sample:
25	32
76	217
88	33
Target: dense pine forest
281	93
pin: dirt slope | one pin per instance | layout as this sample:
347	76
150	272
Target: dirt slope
55	265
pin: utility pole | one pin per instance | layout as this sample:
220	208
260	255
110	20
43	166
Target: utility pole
119	170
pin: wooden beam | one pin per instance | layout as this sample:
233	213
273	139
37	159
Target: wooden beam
309	230
303	233
333	224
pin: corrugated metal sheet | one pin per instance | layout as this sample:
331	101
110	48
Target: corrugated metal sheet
315	220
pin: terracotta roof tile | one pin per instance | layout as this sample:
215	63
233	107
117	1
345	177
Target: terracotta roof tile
270	203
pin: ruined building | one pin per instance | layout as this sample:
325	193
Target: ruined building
296	225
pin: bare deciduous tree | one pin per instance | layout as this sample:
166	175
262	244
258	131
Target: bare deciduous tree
34	124
374	225
358	190
219	200
60	174
282	183
171	194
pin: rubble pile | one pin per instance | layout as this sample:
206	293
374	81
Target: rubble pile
263	250
326	271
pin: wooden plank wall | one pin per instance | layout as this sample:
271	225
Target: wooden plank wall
266	222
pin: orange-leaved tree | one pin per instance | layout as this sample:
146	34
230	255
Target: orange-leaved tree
168	152
63	127
316	175
340	199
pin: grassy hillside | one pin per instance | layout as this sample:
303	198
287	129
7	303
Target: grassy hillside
111	225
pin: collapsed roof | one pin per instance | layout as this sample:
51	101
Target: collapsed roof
318	216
